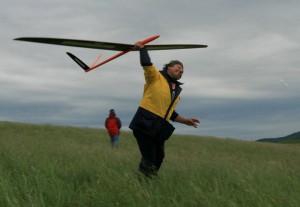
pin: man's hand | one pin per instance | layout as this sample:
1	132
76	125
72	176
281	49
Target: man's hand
188	121
192	122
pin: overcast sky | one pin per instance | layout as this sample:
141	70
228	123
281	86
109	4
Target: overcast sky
245	85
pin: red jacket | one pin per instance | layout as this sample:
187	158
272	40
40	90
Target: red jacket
113	124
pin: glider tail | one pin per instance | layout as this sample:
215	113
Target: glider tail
79	62
86	68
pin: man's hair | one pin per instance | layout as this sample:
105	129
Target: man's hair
112	111
172	63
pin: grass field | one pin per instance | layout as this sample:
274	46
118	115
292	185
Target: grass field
55	166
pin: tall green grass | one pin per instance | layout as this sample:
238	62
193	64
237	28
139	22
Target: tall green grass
43	165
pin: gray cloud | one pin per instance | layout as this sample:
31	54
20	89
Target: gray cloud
233	86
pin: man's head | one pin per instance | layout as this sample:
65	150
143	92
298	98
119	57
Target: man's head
112	111
174	69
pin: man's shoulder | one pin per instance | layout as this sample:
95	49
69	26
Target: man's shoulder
151	73
150	68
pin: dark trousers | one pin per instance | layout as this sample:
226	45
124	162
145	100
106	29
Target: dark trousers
152	151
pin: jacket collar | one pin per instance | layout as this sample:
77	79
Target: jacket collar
112	115
178	89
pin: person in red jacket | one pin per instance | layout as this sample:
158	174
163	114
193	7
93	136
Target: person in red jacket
113	126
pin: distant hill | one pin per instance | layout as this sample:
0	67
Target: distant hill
292	138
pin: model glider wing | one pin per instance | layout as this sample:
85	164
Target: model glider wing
123	48
104	45
174	47
77	43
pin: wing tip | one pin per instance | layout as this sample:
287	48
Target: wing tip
79	62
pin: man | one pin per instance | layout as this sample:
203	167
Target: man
113	126
150	124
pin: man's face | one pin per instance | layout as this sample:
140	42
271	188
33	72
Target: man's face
175	71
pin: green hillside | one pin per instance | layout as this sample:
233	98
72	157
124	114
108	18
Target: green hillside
289	139
57	166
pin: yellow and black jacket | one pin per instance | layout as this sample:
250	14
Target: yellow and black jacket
157	94
157	97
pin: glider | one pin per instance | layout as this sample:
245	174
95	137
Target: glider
123	48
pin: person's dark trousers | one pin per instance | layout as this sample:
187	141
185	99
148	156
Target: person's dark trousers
153	153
